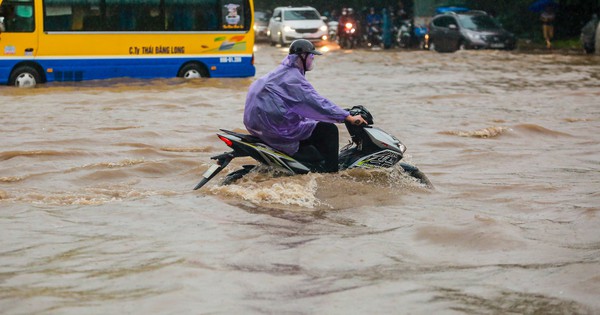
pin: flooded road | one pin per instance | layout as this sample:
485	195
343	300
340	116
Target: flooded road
98	216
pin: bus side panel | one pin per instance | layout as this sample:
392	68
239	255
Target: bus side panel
66	69
104	55
79	69
231	66
6	66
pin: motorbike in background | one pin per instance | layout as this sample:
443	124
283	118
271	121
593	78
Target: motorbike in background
333	30
374	35
348	38
404	35
410	35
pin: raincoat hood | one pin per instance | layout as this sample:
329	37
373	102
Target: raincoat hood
283	108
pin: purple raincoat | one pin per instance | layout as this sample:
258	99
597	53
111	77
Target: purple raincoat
282	108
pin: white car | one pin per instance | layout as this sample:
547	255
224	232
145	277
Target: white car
290	23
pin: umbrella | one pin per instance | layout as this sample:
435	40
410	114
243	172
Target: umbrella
540	5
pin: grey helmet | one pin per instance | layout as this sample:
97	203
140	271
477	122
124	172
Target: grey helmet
303	46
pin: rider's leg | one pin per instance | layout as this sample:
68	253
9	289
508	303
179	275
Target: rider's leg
323	144
325	138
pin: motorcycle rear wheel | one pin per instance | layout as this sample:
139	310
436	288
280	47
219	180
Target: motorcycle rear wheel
236	175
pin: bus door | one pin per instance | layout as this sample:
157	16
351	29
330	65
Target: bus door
18	38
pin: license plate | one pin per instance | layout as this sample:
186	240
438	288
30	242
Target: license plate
211	170
497	45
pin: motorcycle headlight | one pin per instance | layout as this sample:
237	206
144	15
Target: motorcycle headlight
349	25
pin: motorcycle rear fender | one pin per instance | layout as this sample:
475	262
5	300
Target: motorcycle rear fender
265	154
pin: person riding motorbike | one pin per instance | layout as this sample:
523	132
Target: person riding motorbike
348	17
374	21
285	111
342	21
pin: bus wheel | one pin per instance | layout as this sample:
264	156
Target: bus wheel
25	77
192	71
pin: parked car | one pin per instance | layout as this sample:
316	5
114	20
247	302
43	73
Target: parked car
261	25
588	35
452	31
290	23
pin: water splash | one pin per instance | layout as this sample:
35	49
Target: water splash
490	132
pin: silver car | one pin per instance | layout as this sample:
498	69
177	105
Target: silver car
290	23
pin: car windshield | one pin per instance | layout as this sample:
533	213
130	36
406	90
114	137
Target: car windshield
478	22
294	15
261	16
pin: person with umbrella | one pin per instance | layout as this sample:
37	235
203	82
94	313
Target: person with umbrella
547	17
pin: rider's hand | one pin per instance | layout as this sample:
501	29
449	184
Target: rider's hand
356	120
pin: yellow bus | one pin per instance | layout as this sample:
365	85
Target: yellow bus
75	40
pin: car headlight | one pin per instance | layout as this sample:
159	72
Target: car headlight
472	36
288	29
323	28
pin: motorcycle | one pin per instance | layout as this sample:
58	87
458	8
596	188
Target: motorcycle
374	35
333	29
404	38
370	147
410	35
348	37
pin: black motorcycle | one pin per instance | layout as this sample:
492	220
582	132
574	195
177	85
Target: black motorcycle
371	147
404	35
348	37
374	36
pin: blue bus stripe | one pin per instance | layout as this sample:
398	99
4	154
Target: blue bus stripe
92	68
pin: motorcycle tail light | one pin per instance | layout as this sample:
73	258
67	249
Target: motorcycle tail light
227	141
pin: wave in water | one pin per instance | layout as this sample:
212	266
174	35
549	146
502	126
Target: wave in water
7	155
315	191
539	130
496	131
87	196
490	132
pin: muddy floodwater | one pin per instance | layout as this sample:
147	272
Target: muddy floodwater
98	215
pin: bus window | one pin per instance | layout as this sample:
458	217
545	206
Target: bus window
58	18
17	16
93	19
150	19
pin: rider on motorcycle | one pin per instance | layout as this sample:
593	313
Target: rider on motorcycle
286	112
347	17
374	21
